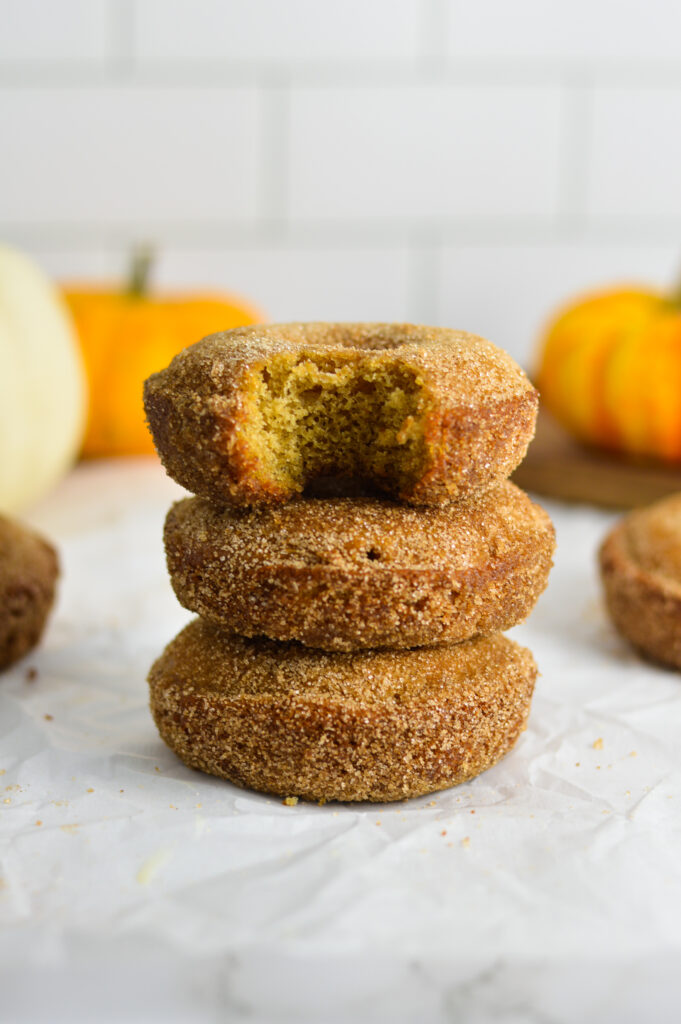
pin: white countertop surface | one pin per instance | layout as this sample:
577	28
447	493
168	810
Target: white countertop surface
134	889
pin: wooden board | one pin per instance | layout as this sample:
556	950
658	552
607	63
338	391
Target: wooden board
559	467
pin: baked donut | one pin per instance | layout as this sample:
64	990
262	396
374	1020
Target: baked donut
640	561
374	725
28	576
349	573
250	416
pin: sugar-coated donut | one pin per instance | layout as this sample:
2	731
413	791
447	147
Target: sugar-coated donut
352	573
640	561
250	416
372	725
28	577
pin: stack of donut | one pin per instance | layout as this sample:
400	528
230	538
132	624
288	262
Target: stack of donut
354	551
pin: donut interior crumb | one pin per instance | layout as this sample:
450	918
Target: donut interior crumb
321	414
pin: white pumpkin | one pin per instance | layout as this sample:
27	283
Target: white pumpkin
42	383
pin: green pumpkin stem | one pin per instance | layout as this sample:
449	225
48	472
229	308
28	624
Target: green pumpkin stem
140	269
675	297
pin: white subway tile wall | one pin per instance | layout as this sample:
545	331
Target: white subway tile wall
284	31
55	33
309	283
594	30
469	164
129	156
636	158
425	154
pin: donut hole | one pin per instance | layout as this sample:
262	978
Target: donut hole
373	555
326	415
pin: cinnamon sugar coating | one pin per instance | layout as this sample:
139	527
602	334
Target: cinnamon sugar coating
250	416
353	573
371	725
28	576
640	562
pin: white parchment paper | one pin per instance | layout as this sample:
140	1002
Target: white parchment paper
132	888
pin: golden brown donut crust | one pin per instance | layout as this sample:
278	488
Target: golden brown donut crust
352	573
480	417
640	561
28	576
372	725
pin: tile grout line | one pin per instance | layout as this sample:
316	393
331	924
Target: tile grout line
266	231
352	73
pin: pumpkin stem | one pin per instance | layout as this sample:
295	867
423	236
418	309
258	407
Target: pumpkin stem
675	297
140	268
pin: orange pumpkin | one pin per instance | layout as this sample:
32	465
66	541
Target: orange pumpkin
126	335
610	371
